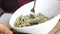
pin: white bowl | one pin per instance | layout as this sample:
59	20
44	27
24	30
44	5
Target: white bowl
42	28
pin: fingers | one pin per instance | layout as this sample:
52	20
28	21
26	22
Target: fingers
5	29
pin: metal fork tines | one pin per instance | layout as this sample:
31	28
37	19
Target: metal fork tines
32	14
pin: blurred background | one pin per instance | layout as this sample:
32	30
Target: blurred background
10	6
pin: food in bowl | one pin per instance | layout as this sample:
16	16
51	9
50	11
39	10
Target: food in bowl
24	21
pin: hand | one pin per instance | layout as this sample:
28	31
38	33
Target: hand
4	29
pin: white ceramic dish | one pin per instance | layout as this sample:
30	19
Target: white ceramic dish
43	28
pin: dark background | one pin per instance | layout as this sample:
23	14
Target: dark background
12	5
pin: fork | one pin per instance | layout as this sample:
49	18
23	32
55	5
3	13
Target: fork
32	14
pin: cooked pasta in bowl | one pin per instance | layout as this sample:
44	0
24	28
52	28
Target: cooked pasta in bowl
42	23
24	21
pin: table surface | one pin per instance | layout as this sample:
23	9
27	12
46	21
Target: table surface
56	29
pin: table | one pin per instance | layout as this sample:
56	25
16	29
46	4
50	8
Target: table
56	29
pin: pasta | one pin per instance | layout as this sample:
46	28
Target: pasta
24	21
